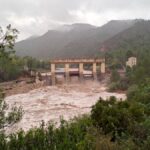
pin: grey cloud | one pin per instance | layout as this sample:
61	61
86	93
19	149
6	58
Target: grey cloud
38	16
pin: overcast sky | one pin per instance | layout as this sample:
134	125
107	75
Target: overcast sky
35	17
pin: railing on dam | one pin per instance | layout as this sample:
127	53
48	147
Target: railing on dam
63	61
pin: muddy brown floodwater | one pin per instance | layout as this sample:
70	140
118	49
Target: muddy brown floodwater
50	103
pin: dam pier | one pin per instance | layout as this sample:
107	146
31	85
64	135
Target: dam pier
97	65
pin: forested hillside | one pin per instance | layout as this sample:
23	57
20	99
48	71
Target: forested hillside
135	38
133	41
77	40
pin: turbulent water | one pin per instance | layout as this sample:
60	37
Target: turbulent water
51	103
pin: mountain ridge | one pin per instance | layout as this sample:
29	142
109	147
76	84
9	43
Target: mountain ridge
83	40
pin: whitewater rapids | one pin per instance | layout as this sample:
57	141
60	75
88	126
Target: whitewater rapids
52	102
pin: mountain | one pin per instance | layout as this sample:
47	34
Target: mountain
135	38
32	37
71	41
75	27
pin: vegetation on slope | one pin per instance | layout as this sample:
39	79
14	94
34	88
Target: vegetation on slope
11	66
131	42
80	40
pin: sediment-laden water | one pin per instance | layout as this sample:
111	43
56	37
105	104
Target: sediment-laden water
51	103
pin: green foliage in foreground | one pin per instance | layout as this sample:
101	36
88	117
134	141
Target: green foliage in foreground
71	135
8	116
78	134
112	125
127	122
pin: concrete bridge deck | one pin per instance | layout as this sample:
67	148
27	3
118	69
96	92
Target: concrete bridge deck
64	61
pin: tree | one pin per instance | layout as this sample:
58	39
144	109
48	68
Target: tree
117	118
7	41
7	119
129	53
115	76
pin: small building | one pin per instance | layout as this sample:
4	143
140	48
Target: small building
132	61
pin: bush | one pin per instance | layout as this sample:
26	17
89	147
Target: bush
75	134
8	116
117	118
113	86
123	84
140	93
115	76
119	85
131	92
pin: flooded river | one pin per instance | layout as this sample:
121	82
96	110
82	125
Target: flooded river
51	103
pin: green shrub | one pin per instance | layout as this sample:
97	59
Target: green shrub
113	86
115	76
131	92
117	118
